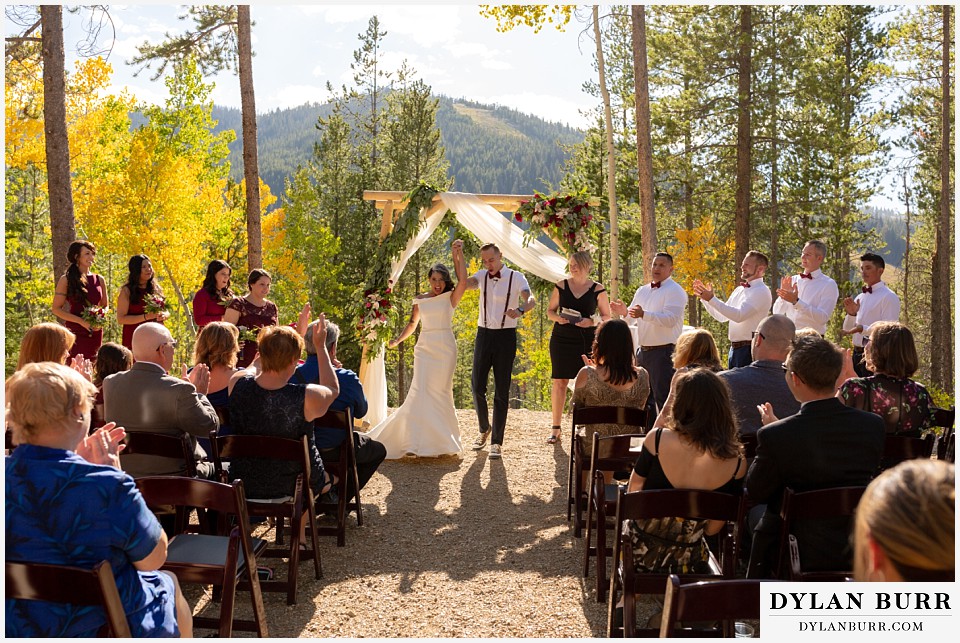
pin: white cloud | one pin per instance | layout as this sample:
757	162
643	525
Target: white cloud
293	96
498	65
318	70
546	106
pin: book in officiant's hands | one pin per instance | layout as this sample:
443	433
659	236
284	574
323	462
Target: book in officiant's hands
571	315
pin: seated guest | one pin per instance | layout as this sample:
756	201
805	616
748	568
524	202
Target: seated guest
369	452
904	529
612	379
67	503
263	402
146	398
45	342
216	347
111	358
826	444
696	348
904	405
697	450
762	382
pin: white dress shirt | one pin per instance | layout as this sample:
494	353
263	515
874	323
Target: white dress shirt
880	305
496	291
818	298
663	308
745	309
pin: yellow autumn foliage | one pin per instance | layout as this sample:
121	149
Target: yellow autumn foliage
700	253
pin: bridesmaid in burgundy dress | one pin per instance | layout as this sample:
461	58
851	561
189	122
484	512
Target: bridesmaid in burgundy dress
77	289
210	302
253	310
131	307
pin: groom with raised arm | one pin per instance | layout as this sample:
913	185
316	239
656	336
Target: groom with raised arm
504	298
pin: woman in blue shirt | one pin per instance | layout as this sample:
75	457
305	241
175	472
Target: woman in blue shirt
68	503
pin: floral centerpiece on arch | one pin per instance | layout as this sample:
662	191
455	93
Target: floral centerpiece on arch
564	218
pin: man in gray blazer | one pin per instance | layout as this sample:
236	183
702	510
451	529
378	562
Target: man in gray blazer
146	398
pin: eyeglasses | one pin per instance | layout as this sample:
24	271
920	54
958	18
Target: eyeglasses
786	369
172	342
755	333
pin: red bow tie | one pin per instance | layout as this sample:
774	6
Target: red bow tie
745	284
495	275
655	284
804	275
868	289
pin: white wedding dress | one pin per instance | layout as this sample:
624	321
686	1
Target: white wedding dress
426	422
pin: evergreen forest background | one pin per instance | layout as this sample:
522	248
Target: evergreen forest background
167	181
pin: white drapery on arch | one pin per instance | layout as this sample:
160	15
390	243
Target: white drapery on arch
488	225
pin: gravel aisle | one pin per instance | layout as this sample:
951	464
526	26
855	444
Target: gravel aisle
456	546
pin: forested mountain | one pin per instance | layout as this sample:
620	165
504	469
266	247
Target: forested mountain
491	149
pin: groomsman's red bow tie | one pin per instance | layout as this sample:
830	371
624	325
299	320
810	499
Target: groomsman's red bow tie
868	289
495	275
804	275
745	284
655	284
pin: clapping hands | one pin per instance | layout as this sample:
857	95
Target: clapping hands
199	376
103	446
788	291
766	413
703	291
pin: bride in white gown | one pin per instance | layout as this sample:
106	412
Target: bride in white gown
426	422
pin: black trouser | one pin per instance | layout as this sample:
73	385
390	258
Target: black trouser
659	365
494	349
369	455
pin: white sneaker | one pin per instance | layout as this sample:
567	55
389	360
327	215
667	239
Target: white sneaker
480	441
494	452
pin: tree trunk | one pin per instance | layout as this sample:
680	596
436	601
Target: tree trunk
774	169
693	307
941	361
611	160
648	218
248	109
744	71
62	226
905	263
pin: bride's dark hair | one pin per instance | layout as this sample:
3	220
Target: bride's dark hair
444	272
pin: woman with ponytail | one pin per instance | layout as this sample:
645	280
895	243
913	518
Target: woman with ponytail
78	289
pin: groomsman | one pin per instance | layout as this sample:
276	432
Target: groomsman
809	297
504	297
875	303
657	314
748	305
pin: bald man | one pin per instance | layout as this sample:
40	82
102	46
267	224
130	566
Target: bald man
146	398
762	380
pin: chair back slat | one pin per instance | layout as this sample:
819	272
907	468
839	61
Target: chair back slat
897	448
70	585
704	601
177	446
623	415
945	419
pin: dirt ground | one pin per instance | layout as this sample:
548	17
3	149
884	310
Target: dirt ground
455	546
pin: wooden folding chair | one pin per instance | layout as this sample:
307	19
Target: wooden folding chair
345	468
70	585
9	446
819	504
218	560
610	454
166	445
296	507
897	448
666	503
945	419
714	600
585	416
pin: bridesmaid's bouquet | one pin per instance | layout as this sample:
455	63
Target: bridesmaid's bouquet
95	316
248	334
154	303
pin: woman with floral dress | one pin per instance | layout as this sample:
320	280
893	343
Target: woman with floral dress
904	405
252	312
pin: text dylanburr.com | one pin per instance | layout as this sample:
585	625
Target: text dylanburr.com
858	611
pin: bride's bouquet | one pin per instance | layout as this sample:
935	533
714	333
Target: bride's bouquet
95	316
376	311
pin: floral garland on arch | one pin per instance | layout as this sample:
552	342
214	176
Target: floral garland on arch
564	218
375	309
